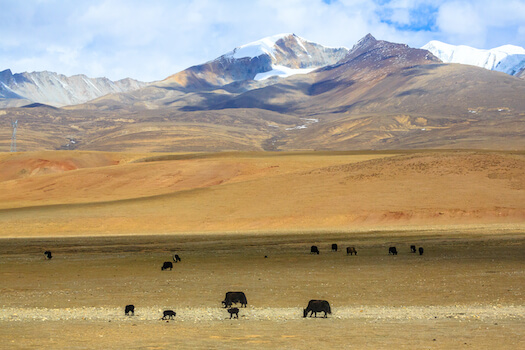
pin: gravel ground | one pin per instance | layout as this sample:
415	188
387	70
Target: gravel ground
465	292
460	312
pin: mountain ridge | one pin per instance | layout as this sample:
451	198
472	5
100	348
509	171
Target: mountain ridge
57	89
254	65
381	95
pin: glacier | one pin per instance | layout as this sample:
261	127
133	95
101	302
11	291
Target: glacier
283	72
508	59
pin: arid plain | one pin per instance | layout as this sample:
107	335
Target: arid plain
111	219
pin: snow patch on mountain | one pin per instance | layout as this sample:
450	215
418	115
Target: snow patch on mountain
307	121
508	59
257	48
282	72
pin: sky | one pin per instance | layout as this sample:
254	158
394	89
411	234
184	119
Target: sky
151	40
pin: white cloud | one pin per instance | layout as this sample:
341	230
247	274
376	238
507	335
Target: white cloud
476	22
461	22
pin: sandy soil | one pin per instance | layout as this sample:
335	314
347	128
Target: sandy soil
82	193
466	291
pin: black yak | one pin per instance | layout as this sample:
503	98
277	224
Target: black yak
315	306
170	314
421	250
314	250
235	297
334	247
167	265
234	311
129	309
48	255
351	250
392	250
176	258
413	248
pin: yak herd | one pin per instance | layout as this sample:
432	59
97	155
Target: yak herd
352	251
314	306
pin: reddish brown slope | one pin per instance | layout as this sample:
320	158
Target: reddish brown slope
265	192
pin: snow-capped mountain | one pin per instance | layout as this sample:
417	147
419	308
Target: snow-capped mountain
276	56
290	55
57	89
508	59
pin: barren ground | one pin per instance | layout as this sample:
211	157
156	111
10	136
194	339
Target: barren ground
466	291
112	219
89	193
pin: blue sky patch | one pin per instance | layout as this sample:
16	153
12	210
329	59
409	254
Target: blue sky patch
420	18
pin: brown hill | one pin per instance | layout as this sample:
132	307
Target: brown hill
263	192
438	106
145	131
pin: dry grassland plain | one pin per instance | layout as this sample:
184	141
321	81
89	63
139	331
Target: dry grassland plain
112	219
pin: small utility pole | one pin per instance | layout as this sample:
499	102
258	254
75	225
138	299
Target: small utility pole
13	138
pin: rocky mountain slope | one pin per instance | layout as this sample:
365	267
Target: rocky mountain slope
277	56
366	64
56	89
508	59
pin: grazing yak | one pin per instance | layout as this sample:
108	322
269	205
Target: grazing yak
413	248
334	247
314	250
130	309
234	311
176	258
421	250
235	297
167	265
48	255
169	314
351	250
392	250
315	306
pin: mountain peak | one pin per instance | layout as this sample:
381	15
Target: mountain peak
279	55
6	75
257	48
366	40
379	57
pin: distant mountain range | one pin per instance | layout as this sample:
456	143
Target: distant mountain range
254	65
57	89
508	59
285	93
